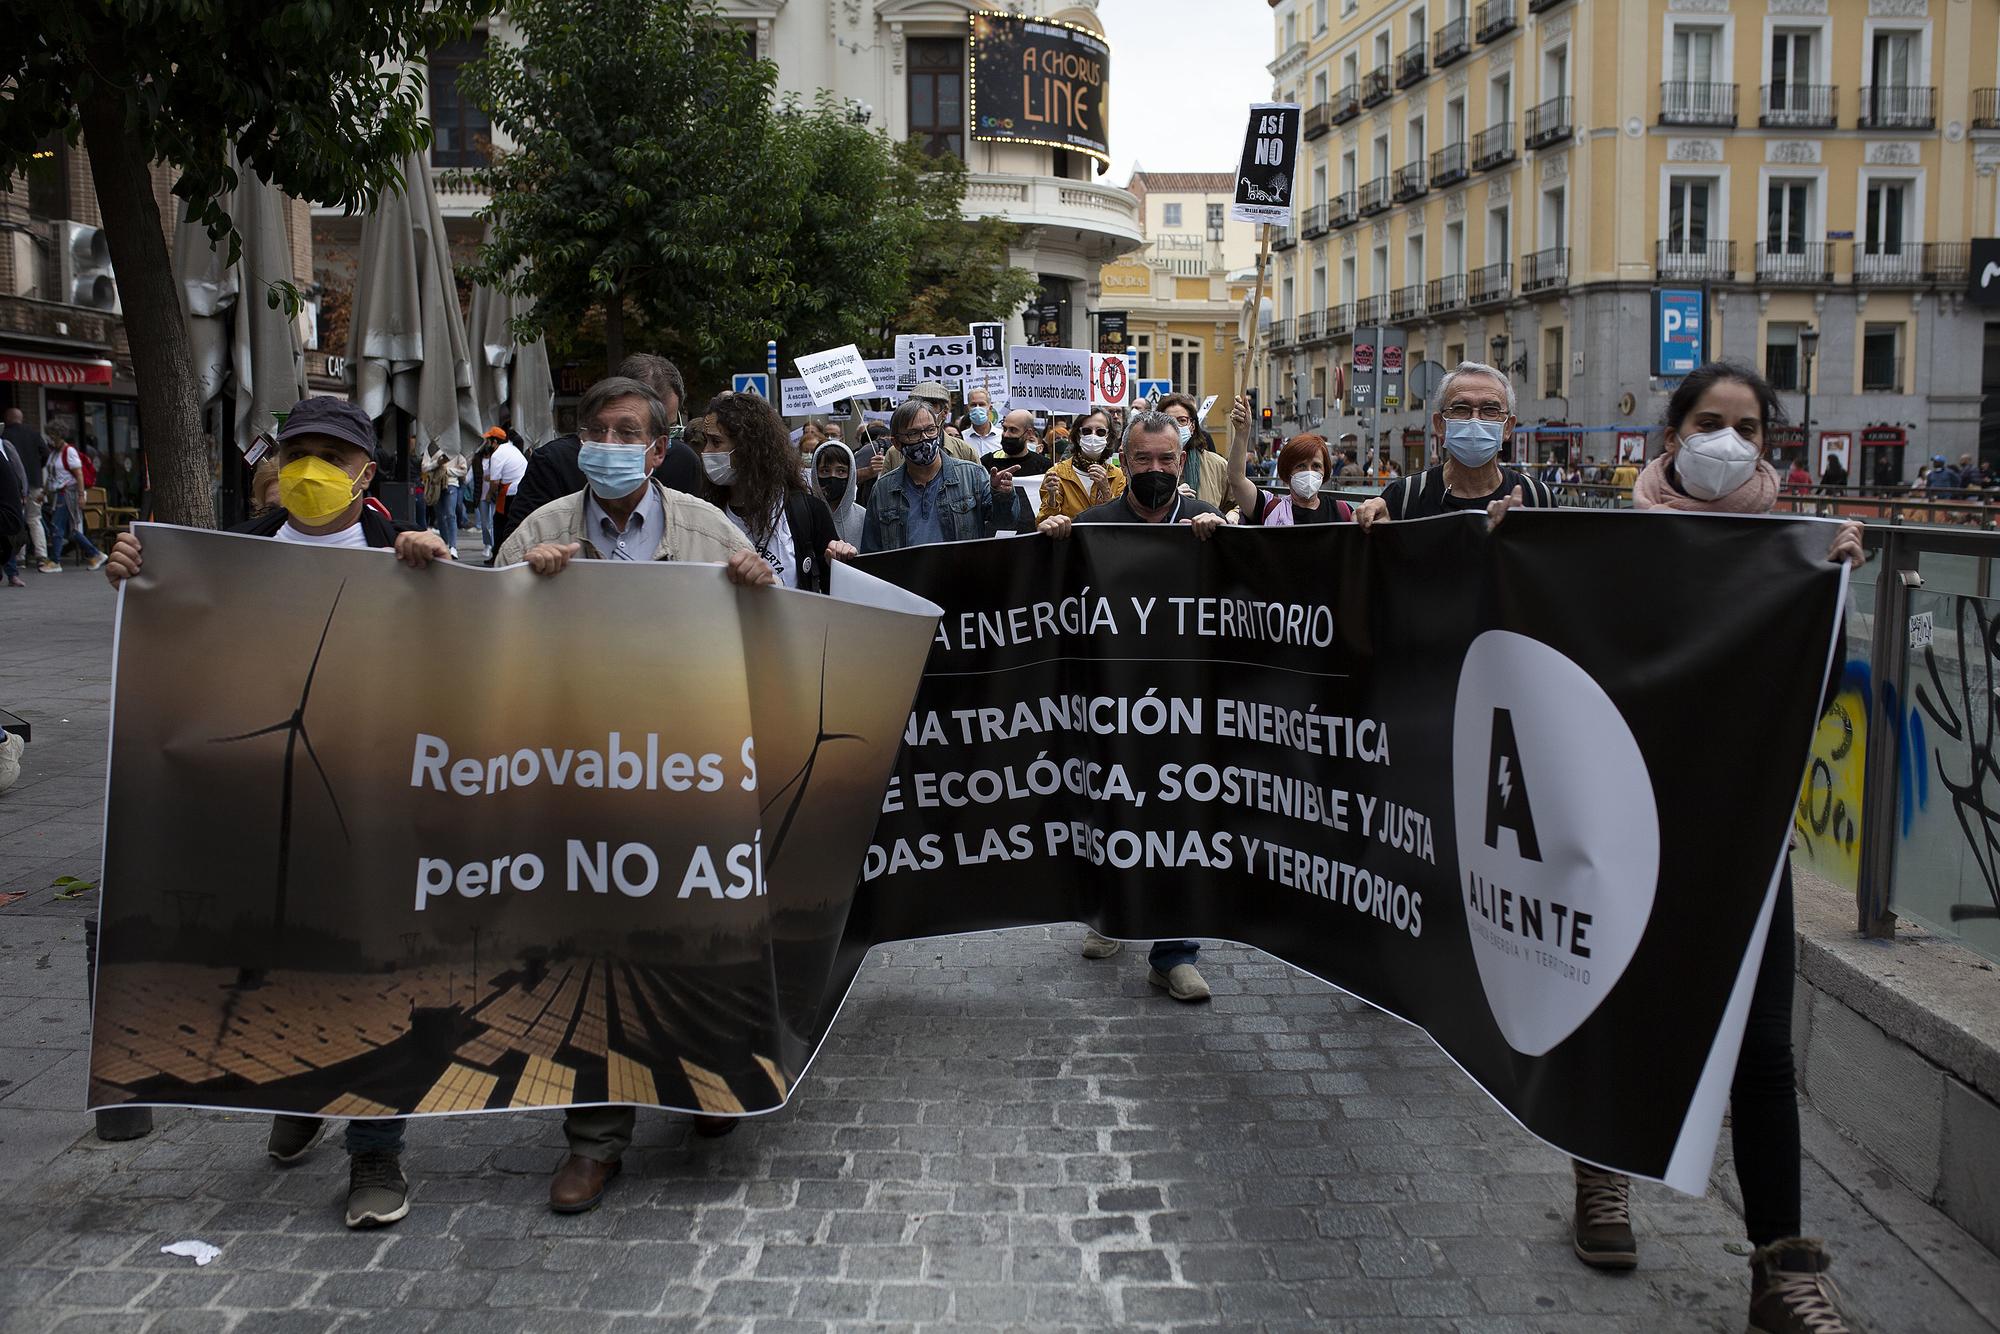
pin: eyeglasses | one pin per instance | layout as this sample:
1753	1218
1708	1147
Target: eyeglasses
604	435
918	437
1465	412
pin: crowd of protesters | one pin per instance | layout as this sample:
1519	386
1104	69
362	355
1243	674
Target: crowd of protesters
643	478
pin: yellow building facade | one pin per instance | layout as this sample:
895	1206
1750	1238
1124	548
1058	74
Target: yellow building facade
1509	182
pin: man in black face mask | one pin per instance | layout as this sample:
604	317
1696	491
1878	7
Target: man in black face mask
1153	460
1015	459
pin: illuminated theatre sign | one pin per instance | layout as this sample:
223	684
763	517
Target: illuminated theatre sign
1040	82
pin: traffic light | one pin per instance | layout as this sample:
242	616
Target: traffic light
1266	417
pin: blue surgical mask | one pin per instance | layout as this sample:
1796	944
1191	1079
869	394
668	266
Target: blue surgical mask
978	416
1187	434
613	471
1473	444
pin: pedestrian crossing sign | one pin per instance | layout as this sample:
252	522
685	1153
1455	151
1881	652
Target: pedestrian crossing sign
752	383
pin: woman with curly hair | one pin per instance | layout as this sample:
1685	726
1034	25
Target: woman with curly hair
753	476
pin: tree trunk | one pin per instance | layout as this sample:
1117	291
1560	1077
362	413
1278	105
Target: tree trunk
614	329
176	451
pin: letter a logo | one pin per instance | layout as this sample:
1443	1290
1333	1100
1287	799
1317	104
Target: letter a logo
1507	791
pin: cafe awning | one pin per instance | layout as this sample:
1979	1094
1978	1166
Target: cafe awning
49	370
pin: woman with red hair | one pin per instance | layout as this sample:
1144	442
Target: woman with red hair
1304	464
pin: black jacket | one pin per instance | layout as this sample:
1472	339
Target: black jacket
811	522
33	448
378	531
552	474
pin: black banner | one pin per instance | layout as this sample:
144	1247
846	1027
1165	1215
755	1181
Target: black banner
1035	81
1270	164
1111	334
1496	784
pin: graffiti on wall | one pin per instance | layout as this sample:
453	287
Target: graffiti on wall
1958	698
1827	826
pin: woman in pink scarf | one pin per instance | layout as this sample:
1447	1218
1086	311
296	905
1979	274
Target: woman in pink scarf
1717	431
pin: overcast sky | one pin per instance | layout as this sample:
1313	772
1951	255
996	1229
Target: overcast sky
1183	76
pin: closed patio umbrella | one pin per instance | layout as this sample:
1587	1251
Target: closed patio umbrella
509	377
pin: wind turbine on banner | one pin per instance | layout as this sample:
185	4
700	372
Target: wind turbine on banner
294	728
803	777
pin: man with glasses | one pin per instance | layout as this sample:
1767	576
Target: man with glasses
929	496
1474	420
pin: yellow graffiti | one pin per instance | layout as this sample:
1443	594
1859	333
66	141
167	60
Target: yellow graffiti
1828	821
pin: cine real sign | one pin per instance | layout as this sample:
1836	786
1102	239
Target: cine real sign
1680	330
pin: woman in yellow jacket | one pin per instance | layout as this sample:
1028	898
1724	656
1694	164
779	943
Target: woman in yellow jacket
1089	476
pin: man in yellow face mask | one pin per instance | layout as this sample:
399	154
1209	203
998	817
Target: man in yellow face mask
326	458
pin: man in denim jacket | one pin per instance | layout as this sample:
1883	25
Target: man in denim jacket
931	497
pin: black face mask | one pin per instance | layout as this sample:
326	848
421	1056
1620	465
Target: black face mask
1014	444
1153	489
834	488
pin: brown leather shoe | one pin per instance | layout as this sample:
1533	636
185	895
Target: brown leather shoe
578	1185
714	1127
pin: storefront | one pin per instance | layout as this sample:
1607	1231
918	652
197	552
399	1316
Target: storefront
78	393
1882	456
1787	446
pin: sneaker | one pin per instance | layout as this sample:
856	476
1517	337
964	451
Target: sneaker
1790	1292
1097	947
1603	1227
97	562
49	567
454	553
377	1194
16	581
292	1138
1183	982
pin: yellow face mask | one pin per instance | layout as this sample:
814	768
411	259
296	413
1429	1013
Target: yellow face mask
314	491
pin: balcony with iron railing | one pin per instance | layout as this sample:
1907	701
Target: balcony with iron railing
1317	121
1313	222
1496	19
1545	269
1282	332
1493	147
1375	87
1897	108
1489	284
1537	6
1451	43
1549	123
1370	310
1343	107
1712	104
1407	303
1684	260
1448	166
1372	197
1340	213
1795	263
1411	182
1340	320
1411	66
1798	106
1445	294
1912	264
1986	109
1311	326
1283	237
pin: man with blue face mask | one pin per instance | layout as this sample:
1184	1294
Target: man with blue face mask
1474	420
984	435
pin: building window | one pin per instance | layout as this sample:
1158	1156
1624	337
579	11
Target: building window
1882	359
1788	217
1171	215
1896	56
1793	70
1319	88
1347	282
48	179
1886	216
750	43
1142	345
1186	360
1291	30
1555	216
1498	247
1552	363
937	95
461	134
1215	212
1319	288
1690	202
1454	249
1319	17
1285	307
1781	357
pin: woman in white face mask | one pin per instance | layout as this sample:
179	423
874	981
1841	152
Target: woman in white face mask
1304	465
1089	476
1717	430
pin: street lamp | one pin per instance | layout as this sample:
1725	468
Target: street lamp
1808	344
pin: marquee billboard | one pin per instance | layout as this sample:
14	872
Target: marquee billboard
1039	82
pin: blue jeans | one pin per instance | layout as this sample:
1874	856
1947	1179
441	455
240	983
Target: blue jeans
486	524
445	512
1170	954
61	534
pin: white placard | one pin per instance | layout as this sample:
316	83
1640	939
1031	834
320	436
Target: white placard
836	374
993	379
1206	404
1110	380
921	357
796	399
883	371
1048	379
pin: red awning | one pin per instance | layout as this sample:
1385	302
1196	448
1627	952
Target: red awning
43	370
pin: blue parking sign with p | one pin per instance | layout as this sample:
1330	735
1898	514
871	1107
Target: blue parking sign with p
752	383
1680	332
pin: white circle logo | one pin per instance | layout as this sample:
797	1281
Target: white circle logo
1558	836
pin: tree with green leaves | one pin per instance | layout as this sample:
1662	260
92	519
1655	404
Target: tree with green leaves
639	176
959	271
321	99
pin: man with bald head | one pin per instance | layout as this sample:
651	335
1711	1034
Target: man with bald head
1017	457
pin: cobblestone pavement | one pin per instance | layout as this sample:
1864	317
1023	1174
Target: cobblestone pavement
998	1134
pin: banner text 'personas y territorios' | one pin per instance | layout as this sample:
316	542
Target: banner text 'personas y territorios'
1468	777
350	883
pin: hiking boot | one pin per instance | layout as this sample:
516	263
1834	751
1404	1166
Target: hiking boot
1603	1229
292	1138
1183	982
1098	947
1790	1292
579	1184
377	1194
